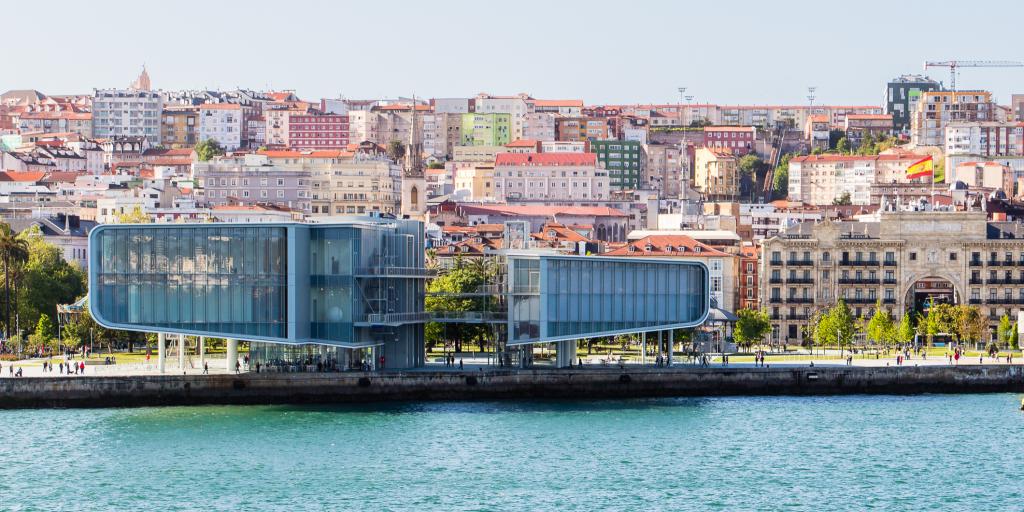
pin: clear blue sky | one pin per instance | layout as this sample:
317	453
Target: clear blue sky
751	52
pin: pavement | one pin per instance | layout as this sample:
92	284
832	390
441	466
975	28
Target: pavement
33	367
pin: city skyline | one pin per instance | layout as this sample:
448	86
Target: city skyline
390	49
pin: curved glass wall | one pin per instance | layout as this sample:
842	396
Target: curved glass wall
230	280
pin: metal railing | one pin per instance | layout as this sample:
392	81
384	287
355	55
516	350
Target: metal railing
396	272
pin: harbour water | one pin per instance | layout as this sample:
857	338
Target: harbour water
924	452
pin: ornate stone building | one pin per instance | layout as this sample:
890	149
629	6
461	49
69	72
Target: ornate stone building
904	259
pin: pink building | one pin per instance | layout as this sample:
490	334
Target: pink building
318	131
739	139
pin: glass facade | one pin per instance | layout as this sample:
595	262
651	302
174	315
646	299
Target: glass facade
555	297
228	280
355	284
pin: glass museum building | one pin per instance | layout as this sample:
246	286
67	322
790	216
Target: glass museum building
352	291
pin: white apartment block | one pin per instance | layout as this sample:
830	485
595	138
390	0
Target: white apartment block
126	113
819	179
984	138
516	106
549	176
539	126
221	122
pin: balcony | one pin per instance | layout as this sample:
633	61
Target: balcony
1004	300
775	280
975	263
862	300
974	280
800	263
800	300
796	317
859	263
889	263
800	280
775	262
974	301
857	280
888	281
889	301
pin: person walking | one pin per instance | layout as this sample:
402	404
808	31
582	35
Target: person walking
206	368
238	366
460	363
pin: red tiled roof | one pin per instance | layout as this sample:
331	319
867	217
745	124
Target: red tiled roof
541	211
561	234
220	106
22	176
666	245
167	152
522	143
520	159
64	176
558	103
292	153
871	117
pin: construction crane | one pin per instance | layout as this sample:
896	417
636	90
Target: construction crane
954	64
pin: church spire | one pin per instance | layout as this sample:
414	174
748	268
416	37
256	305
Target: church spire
414	148
142	82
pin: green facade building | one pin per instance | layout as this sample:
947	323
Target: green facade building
486	129
623	159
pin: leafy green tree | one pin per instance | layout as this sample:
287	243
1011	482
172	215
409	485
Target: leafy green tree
14	251
750	164
881	328
44	331
751	327
448	294
968	323
47	280
905	331
135	216
396	150
780	182
207	149
836	326
843	200
1005	330
1014	342
842	146
833	138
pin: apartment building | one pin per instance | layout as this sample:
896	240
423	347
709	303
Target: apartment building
901	96
624	161
820	179
357	185
906	260
859	126
517	107
549	176
937	109
488	129
127	113
317	131
180	127
281	178
984	139
716	174
739	140
58	121
221	122
539	126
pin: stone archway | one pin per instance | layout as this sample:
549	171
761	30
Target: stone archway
928	289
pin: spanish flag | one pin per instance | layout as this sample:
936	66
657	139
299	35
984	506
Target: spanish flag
922	167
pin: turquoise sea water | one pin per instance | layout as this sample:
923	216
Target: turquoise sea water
929	452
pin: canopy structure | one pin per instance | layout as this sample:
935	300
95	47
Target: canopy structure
66	313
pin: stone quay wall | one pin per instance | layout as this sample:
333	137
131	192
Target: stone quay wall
424	385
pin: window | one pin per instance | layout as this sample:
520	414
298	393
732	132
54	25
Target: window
913	256
952	256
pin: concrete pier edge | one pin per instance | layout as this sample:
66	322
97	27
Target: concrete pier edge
420	385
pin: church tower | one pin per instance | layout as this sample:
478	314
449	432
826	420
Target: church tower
142	82
414	185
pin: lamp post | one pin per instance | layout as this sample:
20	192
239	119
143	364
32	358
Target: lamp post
682	93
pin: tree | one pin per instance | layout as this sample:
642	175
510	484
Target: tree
751	327
47	280
750	164
1014	342
1005	330
207	149
135	216
780	179
14	252
449	294
836	326
44	331
968	322
396	150
842	146
881	328
905	332
833	138
843	200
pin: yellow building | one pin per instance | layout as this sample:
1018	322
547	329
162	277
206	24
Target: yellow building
716	174
475	183
180	127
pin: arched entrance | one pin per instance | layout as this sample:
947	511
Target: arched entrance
930	290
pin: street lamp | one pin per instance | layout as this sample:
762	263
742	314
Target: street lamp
682	93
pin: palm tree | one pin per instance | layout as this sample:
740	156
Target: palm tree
14	251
